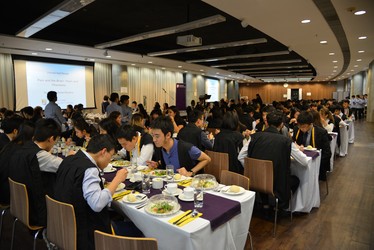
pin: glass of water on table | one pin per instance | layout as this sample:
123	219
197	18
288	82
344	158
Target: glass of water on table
169	172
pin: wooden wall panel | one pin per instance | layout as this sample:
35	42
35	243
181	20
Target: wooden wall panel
274	91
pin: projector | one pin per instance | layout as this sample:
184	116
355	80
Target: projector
189	40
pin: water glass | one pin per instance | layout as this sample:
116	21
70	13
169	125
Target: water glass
198	198
146	184
170	171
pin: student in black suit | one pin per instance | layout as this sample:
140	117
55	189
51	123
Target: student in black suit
306	134
10	127
274	146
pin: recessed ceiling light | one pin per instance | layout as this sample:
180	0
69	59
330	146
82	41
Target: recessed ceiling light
91	59
334	71
331	53
179	66
150	62
108	56
185	71
49	49
201	70
203	74
348	73
162	68
305	21
352	69
34	53
362	37
334	61
359	60
323	42
217	73
229	75
355	66
335	67
133	64
360	12
361	51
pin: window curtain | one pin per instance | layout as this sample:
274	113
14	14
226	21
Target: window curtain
6	82
102	82
148	86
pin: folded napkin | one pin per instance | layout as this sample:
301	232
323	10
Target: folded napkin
185	183
119	195
174	219
188	220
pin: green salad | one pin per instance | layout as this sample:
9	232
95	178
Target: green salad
162	207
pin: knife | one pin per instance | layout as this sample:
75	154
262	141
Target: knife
184	216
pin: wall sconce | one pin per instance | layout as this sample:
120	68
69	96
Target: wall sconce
285	85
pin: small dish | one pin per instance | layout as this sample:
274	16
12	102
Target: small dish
109	169
226	190
183	198
139	198
120	187
178	192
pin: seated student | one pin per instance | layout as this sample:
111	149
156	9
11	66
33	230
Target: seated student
79	183
25	133
35	167
138	146
230	141
83	131
274	146
10	127
186	158
193	132
306	134
176	119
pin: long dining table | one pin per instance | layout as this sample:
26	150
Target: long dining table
198	234
307	195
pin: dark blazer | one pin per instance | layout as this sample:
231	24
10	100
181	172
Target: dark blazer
273	146
322	141
4	140
231	142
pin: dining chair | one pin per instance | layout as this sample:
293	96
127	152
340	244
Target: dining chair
19	208
232	178
4	208
260	172
219	161
104	241
61	229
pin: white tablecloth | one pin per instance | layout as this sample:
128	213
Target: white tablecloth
307	195
343	148
198	233
334	136
351	131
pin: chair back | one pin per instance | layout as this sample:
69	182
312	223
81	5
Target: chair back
104	241
61	224
219	161
260	172
232	178
19	201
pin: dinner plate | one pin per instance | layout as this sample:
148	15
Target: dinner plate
183	198
149	208
139	198
141	168
183	178
120	163
158	173
225	190
178	192
109	169
310	149
120	187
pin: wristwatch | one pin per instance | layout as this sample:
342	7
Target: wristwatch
192	173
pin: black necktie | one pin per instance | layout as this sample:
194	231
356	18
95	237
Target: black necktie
305	137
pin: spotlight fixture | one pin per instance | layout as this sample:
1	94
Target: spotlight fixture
244	23
106	54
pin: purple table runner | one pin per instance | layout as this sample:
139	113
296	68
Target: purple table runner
218	210
313	154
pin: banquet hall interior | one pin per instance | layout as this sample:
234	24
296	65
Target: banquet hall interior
180	51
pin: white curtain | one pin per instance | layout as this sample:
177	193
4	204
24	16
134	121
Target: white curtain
102	82
6	82
154	85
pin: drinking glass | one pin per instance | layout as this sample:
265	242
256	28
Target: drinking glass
198	198
170	171
146	184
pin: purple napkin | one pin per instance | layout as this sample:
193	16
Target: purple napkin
313	154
